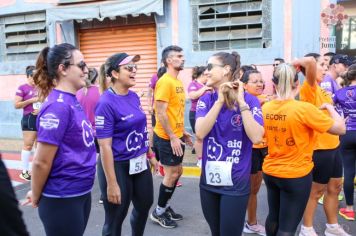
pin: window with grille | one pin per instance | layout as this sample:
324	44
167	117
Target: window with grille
23	36
223	24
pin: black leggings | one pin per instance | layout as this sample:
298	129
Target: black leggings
65	216
192	120
224	214
287	199
348	151
137	188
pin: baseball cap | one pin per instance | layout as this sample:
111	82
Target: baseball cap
119	59
340	58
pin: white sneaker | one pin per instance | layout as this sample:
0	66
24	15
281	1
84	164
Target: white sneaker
254	229
199	163
307	231
335	231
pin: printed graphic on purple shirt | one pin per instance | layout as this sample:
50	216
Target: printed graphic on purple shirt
227	141
329	84
62	122
194	86
122	119
345	101
27	92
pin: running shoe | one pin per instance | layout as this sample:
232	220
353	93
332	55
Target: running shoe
163	220
161	170
307	231
347	214
172	215
199	163
179	184
336	231
321	200
25	176
254	229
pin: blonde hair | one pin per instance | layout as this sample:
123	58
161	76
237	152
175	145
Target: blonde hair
284	79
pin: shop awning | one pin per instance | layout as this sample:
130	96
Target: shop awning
103	9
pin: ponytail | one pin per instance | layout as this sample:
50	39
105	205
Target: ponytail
350	74
41	77
284	78
102	79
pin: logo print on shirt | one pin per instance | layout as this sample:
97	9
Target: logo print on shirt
236	120
350	94
99	122
134	141
257	112
201	105
49	121
60	98
88	137
214	149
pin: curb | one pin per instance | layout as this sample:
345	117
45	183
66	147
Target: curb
190	171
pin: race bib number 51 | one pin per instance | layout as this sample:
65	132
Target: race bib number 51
138	164
218	173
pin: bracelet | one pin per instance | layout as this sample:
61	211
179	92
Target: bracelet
150	155
244	108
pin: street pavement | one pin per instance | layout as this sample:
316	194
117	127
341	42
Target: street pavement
185	201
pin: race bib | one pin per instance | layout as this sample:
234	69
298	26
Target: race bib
138	164
36	105
218	173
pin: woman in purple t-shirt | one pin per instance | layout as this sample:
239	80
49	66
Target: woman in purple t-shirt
64	166
345	100
26	99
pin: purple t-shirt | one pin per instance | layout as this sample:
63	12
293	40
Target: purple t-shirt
227	141
62	122
121	118
345	101
152	85
329	84
88	101
27	92
194	86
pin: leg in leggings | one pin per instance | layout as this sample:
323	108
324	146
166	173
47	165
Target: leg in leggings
192	120
232	214
142	200
115	214
273	199
210	203
65	216
294	197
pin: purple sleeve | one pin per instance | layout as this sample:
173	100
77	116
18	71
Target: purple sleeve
192	87
52	123
255	108
104	120
153	81
203	106
20	92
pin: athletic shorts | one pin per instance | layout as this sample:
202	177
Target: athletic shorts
28	122
258	155
327	164
97	147
164	153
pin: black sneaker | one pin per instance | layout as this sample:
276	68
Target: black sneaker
174	216
163	220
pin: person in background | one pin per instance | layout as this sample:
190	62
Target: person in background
277	62
345	100
196	89
327	58
27	99
63	169
104	81
243	69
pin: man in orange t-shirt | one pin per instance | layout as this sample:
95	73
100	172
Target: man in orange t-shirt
169	135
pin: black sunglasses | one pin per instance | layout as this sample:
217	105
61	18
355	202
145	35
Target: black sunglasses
210	66
130	67
81	65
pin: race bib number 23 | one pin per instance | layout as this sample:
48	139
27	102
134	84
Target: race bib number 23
218	173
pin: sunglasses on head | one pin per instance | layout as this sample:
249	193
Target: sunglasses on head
210	66
130	67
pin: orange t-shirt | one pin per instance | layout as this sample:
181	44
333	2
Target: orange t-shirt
263	144
289	128
169	89
317	96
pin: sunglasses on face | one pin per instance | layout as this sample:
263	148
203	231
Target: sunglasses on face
130	67
81	65
274	65
210	66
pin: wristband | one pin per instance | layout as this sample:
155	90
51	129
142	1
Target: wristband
244	108
150	155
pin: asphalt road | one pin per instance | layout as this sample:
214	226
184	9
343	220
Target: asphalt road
185	201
